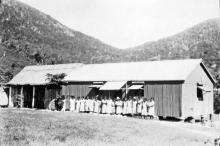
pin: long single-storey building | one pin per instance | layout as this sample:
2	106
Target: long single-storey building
32	87
181	88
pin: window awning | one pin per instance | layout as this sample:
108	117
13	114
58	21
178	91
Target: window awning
203	89
95	86
135	87
113	85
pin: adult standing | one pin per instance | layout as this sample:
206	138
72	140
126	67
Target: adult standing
109	105
3	98
129	106
104	105
139	106
78	104
82	104
151	108
125	105
118	104
144	108
72	103
64	103
134	107
97	104
86	104
113	107
91	105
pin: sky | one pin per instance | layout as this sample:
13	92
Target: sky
128	23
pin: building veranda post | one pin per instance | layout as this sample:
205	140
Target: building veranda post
181	88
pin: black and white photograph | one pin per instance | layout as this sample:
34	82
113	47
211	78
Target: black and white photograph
109	72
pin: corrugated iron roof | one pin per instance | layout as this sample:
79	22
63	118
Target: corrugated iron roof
167	70
36	75
135	87
112	85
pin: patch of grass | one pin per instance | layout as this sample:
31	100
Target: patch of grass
34	127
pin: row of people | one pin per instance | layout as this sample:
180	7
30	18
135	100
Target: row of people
136	106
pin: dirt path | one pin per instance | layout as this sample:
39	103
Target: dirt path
210	132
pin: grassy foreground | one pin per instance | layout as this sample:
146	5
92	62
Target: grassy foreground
35	127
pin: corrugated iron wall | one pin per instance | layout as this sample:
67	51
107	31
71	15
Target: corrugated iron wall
39	97
28	96
51	92
16	91
78	90
167	98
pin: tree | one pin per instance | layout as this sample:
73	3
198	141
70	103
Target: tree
55	78
217	97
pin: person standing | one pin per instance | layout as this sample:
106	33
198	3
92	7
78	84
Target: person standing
118	104
64	103
139	106
91	105
109	106
67	103
151	108
124	108
86	104
82	105
72	103
134	107
113	107
104	105
97	104
144	108
78	104
129	106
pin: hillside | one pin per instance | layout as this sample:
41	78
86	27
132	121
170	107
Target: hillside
200	41
28	36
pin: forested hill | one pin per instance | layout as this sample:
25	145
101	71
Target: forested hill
28	36
200	41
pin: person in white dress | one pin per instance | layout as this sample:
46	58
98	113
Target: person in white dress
113	107
97	103
3	98
64	104
109	103
139	106
134	106
91	105
151	111
118	104
144	108
124	107
129	106
82	104
78	104
104	105
72	103
86	104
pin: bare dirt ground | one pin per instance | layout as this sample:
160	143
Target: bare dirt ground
36	127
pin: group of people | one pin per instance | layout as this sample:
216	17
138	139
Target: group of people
131	106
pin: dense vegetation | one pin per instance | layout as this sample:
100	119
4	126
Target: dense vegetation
200	41
28	36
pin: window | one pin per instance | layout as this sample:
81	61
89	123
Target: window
199	94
